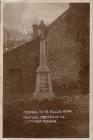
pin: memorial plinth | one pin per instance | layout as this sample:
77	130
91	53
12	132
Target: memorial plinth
43	88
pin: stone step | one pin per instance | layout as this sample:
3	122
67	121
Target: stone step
43	78
44	89
44	81
42	85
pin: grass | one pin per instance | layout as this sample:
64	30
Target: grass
74	125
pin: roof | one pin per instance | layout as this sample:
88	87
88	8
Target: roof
31	44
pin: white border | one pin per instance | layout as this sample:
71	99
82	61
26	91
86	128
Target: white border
91	65
48	1
1	67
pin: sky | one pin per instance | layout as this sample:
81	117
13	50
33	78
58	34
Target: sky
19	17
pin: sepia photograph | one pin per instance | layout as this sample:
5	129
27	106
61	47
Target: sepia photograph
46	70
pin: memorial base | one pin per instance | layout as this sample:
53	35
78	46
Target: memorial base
43	89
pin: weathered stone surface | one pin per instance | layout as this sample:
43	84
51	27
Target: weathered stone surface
21	62
63	45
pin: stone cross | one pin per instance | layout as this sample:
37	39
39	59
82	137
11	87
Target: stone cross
43	88
42	28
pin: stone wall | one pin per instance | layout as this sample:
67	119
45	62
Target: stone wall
20	66
63	45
